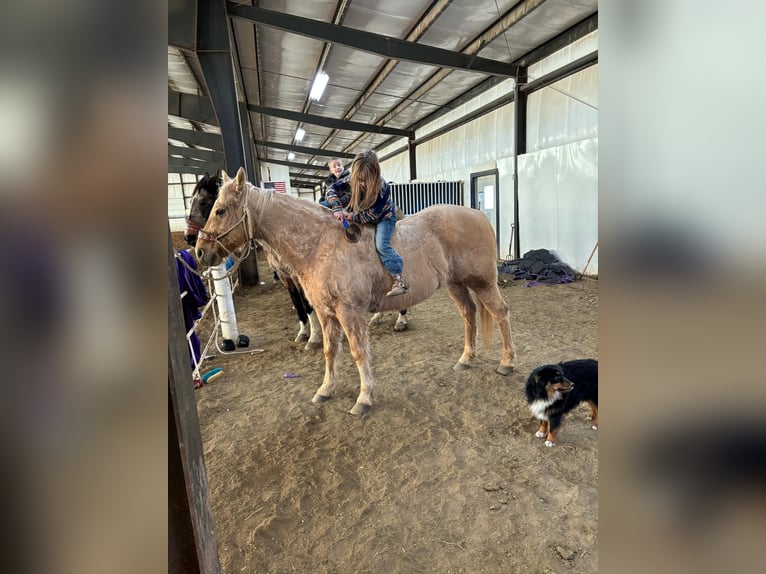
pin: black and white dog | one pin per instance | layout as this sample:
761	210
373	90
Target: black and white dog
554	390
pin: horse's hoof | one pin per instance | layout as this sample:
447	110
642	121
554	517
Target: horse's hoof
313	346
399	327
320	398
360	409
505	370
302	338
461	366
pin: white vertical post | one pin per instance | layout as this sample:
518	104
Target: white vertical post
225	302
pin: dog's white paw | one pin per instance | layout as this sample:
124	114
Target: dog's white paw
539	434
549	443
594	427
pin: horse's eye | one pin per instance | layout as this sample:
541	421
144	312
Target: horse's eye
220	211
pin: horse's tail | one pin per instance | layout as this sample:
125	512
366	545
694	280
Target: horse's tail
486	325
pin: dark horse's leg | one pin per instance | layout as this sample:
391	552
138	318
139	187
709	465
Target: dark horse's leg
401	320
309	330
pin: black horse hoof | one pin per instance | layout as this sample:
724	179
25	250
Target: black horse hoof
243	341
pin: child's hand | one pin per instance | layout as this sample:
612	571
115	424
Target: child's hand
348	216
338	215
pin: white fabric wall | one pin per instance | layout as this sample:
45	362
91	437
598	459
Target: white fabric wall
558	202
558	176
396	168
564	112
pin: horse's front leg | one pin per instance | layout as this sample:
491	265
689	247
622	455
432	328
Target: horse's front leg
331	332
359	343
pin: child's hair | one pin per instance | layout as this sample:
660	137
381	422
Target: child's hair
365	181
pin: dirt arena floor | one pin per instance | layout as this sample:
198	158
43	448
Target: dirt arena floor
443	475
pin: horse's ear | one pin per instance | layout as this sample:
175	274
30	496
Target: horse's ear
239	179
224	176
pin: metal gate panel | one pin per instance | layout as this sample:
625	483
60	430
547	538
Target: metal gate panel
412	197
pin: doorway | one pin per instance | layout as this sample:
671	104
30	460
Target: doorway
485	196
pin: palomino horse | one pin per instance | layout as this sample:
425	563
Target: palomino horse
442	245
309	330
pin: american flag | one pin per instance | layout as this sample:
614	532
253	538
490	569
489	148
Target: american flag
278	186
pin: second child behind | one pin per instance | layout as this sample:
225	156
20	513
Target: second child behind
370	202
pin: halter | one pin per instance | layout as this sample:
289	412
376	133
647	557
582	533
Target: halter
246	219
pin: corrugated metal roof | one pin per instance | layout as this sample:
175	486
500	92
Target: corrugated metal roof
277	67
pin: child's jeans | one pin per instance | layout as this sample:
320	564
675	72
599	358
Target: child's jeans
390	258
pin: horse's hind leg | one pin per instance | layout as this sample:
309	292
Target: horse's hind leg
315	340
359	343
331	333
494	303
467	307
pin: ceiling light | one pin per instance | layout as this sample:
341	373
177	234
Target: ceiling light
320	83
291	155
299	133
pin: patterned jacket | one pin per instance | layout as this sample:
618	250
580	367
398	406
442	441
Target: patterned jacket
383	208
329	180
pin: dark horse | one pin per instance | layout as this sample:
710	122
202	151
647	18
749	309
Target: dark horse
204	196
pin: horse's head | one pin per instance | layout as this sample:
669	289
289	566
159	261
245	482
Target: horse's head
203	198
226	229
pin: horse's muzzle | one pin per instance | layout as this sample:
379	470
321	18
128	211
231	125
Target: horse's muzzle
207	256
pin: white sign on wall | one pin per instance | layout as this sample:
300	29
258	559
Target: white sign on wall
489	196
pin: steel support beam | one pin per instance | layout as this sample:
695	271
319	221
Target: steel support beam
193	108
305	184
413	158
185	165
416	32
306	150
326	122
520	97
375	43
194	137
567	70
570	35
512	17
197	170
294	164
200	154
320	178
573	67
215	58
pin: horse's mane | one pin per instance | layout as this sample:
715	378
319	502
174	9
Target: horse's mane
263	200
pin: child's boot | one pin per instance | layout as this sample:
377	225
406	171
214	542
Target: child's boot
399	287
